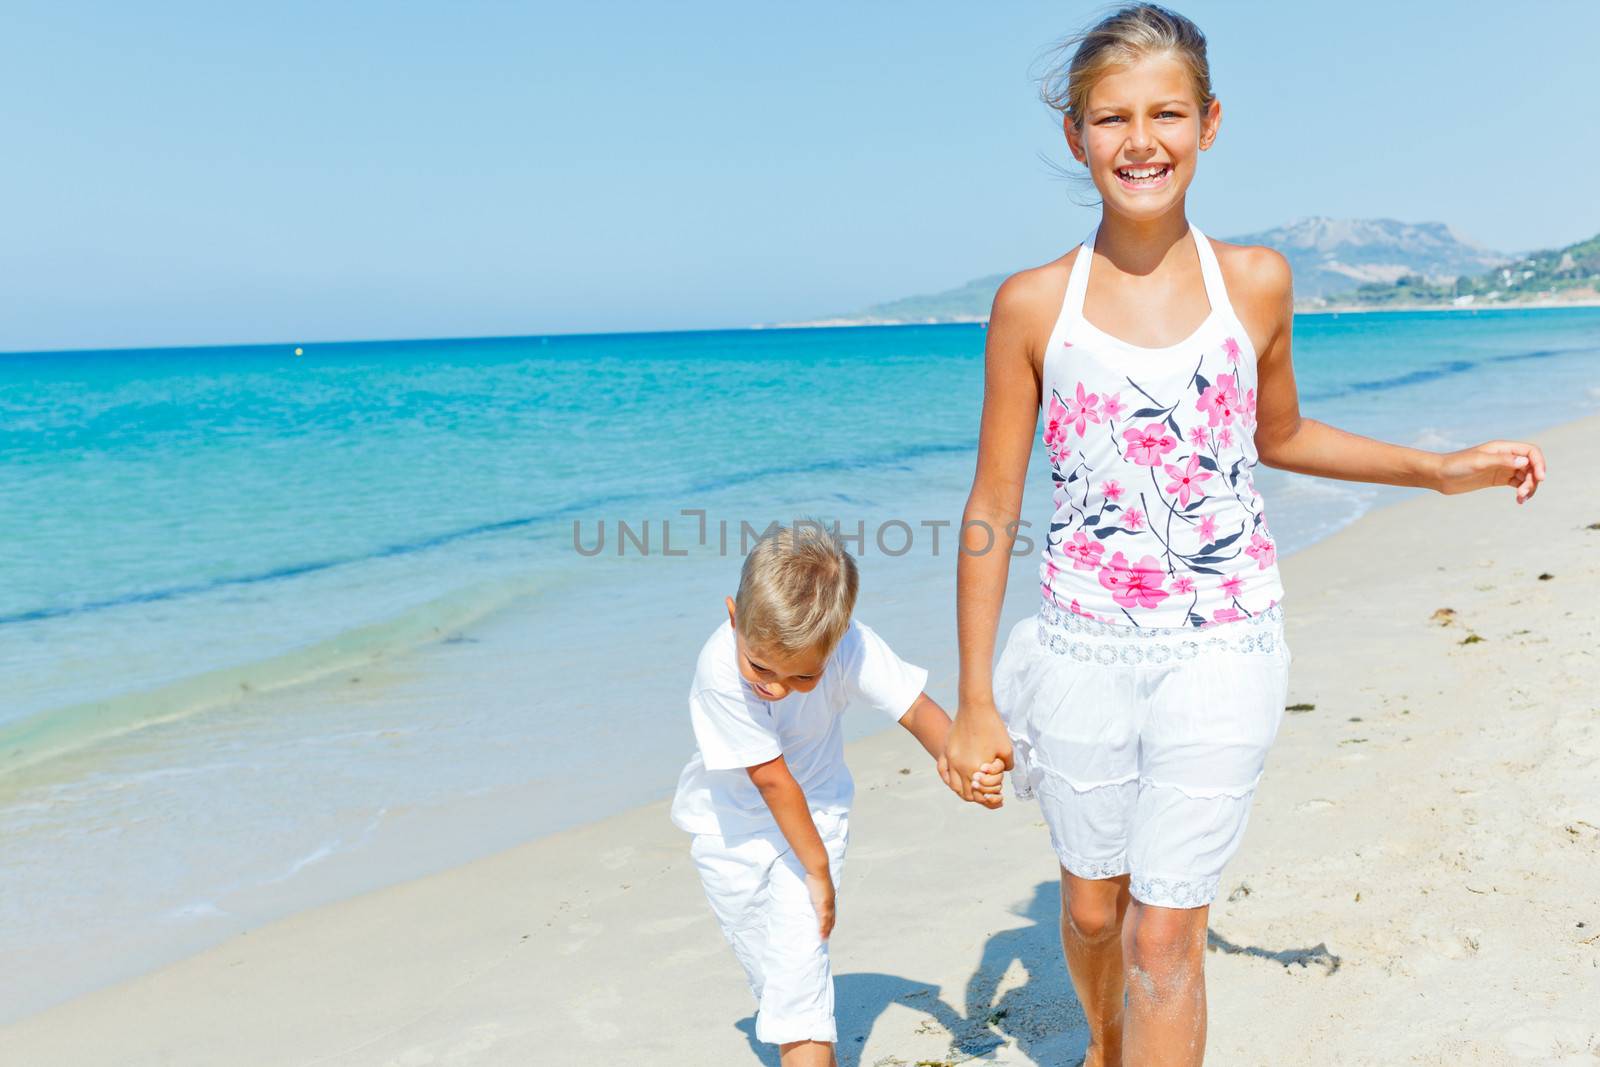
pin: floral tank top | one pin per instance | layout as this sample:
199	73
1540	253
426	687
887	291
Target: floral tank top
1157	521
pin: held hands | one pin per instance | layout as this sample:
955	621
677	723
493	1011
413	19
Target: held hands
976	751
820	886
1514	463
984	786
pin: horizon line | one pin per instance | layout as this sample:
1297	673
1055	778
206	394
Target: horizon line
202	345
785	327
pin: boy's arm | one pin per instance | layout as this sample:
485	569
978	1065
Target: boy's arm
787	802
929	724
888	683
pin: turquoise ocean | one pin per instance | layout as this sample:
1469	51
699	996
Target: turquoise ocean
276	628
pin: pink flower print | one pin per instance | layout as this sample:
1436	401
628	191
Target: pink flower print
1084	552
1111	406
1134	584
1220	401
1147	446
1231	347
1224	437
1208	529
1133	519
1233	584
1047	581
1197	436
1060	452
1227	615
1186	480
1262	550
1081	409
1182	584
1077	610
1055	424
1247	413
1112	489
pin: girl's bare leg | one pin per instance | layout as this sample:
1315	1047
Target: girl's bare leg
807	1054
1091	937
1166	952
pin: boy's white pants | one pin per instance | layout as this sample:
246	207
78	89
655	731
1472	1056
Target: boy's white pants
757	890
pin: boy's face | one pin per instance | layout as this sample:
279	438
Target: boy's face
774	675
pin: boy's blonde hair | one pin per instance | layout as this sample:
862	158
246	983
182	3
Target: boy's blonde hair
796	590
1123	37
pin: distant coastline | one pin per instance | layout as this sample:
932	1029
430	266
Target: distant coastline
1499	305
828	324
1300	309
1339	265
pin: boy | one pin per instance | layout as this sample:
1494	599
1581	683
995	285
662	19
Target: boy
767	795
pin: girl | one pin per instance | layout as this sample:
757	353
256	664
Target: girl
1140	704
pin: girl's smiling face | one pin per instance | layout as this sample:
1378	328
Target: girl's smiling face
1143	130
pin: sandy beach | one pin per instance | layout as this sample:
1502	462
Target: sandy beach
1420	882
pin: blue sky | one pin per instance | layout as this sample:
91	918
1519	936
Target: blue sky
205	173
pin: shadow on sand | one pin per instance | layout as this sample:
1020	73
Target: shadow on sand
858	1001
1037	1015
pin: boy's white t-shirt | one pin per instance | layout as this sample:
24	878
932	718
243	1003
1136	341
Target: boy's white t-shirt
736	728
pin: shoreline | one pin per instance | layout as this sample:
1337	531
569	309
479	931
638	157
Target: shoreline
460	966
1531	305
242	857
33	742
1330	309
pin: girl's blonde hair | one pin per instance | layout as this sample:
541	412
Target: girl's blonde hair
796	590
1125	36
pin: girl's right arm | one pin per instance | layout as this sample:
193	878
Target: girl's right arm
1011	384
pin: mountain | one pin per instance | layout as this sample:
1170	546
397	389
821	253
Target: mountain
1329	256
967	303
1554	276
1336	255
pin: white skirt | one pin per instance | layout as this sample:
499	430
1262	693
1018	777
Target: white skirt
1143	745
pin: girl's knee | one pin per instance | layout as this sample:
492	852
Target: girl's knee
1168	941
1091	921
1091	911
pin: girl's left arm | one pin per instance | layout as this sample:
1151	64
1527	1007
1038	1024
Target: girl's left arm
1287	440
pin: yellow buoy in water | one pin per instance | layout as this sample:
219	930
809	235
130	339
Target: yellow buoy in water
299	351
